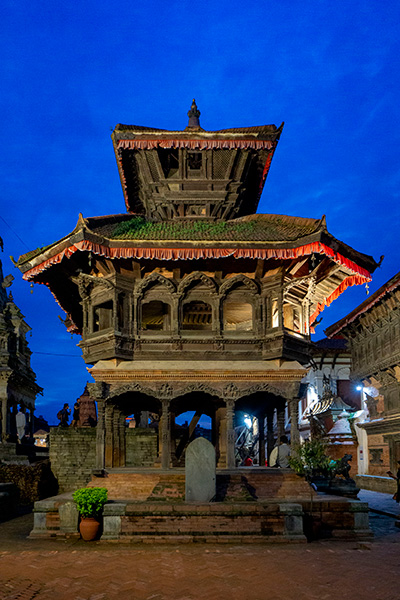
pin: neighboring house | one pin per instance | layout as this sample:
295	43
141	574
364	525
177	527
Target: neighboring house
373	332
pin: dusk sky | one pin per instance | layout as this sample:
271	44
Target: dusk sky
71	71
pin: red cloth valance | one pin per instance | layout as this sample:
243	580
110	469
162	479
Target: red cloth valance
201	144
197	253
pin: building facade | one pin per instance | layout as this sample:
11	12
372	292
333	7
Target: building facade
18	385
373	332
190	300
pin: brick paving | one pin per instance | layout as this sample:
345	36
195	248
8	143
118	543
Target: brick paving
75	570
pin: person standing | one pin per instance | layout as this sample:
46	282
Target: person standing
396	497
63	415
75	415
20	421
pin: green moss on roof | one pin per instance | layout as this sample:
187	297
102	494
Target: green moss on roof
140	228
29	255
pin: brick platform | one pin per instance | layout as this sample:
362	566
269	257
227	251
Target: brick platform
252	505
238	485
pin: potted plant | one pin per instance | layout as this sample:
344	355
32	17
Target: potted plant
90	503
310	460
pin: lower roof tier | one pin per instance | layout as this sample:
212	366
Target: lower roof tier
298	255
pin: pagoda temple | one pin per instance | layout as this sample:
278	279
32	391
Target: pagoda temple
18	385
189	300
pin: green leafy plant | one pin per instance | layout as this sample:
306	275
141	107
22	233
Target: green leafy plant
310	459
90	501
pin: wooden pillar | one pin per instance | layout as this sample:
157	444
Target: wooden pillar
4	417
109	441
116	443
261	440
220	431
165	435
270	431
280	412
230	434
100	435
294	421
144	419
122	433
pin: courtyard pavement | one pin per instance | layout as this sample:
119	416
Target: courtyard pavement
329	570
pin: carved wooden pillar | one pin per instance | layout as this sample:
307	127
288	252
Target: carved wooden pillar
215	315
100	434
4	416
115	311
294	421
179	314
270	431
220	315
116	440
165	435
280	412
220	430
175	314
230	434
136	315
122	433
261	440
109	441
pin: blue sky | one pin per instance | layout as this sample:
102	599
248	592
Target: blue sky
70	71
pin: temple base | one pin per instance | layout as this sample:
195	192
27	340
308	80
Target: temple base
252	505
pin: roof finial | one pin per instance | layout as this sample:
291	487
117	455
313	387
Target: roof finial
194	115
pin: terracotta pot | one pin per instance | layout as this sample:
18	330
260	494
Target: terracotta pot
89	528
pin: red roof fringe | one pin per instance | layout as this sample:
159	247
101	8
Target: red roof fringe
362	276
202	144
197	253
348	282
72	328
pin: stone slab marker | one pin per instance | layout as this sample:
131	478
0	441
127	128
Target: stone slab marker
200	471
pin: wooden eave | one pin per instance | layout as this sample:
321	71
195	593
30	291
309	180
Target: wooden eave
355	316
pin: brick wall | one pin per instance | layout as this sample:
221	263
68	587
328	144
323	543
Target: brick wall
72	456
141	447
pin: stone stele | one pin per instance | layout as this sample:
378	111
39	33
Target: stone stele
200	471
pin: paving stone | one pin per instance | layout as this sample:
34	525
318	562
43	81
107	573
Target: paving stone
75	570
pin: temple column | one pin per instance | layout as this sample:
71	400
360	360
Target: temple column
122	432
144	419
230	434
261	440
4	420
220	433
100	435
116	440
270	431
165	435
109	441
280	414
294	421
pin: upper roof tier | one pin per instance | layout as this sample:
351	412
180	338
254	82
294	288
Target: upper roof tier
193	174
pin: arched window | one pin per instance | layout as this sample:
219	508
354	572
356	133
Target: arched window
238	316
156	316
197	316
